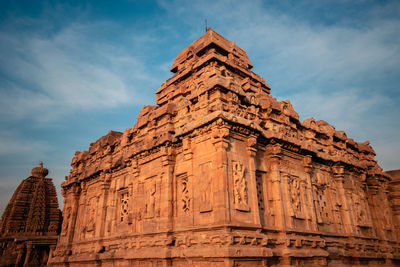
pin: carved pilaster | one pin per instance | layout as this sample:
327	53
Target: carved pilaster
74	194
105	188
310	209
274	155
379	205
168	162
252	178
220	140
338	174
289	212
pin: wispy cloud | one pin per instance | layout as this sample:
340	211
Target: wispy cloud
12	143
45	76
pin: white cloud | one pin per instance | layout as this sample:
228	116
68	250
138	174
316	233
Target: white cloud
47	76
11	143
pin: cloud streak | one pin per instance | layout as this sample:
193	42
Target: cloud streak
45	77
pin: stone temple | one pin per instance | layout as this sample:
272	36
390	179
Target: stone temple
31	222
220	173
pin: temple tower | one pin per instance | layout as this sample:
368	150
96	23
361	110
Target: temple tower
30	223
219	173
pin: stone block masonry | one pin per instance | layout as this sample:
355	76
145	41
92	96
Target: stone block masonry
220	173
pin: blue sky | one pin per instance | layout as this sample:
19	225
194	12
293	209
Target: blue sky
70	71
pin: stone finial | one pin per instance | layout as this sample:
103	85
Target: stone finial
40	171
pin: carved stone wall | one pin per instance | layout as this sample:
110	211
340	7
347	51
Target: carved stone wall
220	173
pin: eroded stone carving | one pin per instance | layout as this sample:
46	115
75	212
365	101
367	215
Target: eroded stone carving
296	197
221	172
240	187
66	221
320	200
185	194
124	206
92	210
205	187
150	206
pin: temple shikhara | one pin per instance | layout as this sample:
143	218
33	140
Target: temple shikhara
220	174
31	222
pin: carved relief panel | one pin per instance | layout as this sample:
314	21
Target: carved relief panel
336	204
205	187
295	194
387	214
184	199
91	214
360	210
151	205
262	198
66	222
319	188
260	192
240	187
124	206
361	216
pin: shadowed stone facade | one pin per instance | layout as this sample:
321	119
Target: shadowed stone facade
30	224
220	173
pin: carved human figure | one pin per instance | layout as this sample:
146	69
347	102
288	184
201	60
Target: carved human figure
319	195
205	195
360	210
295	196
205	187
336	206
151	201
240	187
91	224
67	215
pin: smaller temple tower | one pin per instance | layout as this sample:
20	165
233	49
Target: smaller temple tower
30	223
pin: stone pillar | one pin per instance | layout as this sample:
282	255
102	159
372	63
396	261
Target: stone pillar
252	152
275	177
29	248
220	134
168	162
134	194
74	193
338	172
82	210
388	213
309	203
105	189
288	212
375	205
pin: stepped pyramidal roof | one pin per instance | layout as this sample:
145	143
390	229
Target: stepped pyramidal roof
213	79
